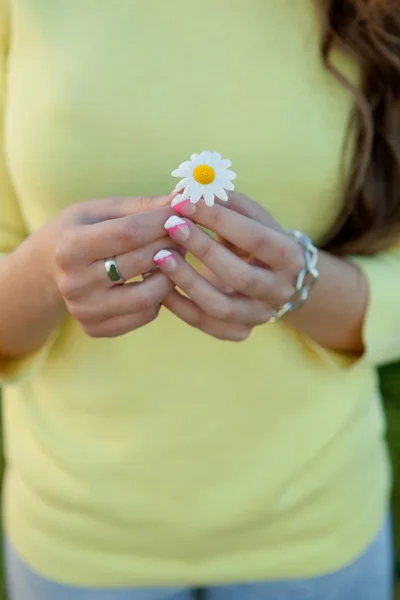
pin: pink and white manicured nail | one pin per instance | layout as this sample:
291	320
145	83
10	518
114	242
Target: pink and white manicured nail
177	228
183	207
165	258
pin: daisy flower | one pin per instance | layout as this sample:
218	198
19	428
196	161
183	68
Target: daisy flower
205	175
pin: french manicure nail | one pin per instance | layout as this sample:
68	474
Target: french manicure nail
165	258
183	207
177	228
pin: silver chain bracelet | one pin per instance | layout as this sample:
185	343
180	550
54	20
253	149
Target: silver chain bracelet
305	280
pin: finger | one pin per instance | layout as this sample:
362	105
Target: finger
187	311
229	308
245	206
117	236
237	274
126	299
238	202
116	207
131	264
139	296
271	247
120	325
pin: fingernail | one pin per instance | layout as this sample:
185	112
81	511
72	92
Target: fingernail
183	207
165	258
177	228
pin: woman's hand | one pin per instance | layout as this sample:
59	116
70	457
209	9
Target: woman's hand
260	279
130	230
61	268
261	267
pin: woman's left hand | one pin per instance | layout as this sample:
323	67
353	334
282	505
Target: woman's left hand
257	262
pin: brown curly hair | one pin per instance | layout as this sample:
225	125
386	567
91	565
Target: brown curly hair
370	31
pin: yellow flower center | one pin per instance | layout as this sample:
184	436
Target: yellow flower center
204	174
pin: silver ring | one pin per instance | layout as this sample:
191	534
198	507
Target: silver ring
112	270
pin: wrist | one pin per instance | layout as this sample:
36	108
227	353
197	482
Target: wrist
335	311
33	260
305	271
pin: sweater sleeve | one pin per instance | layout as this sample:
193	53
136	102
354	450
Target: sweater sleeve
382	322
381	329
12	226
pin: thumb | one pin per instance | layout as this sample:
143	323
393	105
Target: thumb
117	207
151	202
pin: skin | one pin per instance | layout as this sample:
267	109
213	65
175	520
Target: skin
60	270
259	264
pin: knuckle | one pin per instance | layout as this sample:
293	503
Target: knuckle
245	281
105	329
232	334
140	258
260	243
225	311
73	211
79	213
295	258
285	293
236	337
149	316
89	311
240	335
93	330
81	313
263	313
266	314
216	220
197	319
144	203
64	255
108	331
283	289
128	232
204	251
98	331
258	314
69	287
145	301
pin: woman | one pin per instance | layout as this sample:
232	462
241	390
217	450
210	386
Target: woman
150	455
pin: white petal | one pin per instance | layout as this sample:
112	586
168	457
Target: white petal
220	192
226	174
225	183
215	159
188	191
196	160
186	165
193	201
181	172
196	193
208	195
224	164
182	183
206	157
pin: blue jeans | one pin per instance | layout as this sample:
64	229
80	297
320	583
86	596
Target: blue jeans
368	578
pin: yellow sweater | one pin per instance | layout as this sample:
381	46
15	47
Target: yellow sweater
166	456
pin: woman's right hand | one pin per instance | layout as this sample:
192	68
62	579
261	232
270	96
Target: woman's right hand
84	236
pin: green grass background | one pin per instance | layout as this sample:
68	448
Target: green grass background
390	382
